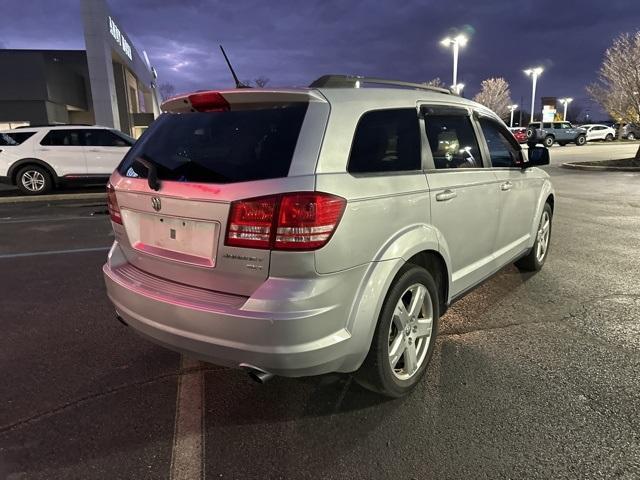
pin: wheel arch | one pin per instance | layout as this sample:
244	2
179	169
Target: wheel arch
419	244
547	195
12	173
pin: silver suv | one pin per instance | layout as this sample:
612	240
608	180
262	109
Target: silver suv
298	232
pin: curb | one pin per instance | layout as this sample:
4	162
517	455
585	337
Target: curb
598	168
53	198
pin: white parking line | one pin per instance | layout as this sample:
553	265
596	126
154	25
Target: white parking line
54	252
188	436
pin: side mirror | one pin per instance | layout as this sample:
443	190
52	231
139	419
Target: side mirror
537	156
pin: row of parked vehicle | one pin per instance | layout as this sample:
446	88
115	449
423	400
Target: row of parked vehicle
563	133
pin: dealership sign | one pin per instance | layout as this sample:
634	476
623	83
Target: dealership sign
119	38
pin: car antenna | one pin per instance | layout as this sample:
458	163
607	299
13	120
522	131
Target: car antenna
239	84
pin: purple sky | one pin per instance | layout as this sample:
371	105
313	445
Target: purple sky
294	42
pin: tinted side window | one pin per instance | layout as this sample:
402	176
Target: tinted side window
386	141
66	138
103	138
547	125
14	138
503	151
452	141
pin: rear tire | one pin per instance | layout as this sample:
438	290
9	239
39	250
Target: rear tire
581	140
549	141
34	180
534	260
404	338
631	136
608	138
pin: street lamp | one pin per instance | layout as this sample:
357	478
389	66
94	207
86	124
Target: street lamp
456	42
512	108
534	73
457	88
565	102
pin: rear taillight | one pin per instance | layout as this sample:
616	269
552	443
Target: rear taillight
112	204
292	221
251	222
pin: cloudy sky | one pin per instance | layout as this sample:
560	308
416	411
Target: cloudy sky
294	42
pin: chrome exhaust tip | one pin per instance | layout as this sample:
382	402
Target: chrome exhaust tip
256	374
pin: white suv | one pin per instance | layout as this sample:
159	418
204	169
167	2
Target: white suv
37	159
303	231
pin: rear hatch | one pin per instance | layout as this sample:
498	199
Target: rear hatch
175	187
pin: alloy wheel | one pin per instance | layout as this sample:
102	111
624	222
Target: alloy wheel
33	180
543	236
410	331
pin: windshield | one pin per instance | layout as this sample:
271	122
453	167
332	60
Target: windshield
219	147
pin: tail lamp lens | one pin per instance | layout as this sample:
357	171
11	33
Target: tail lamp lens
292	221
112	204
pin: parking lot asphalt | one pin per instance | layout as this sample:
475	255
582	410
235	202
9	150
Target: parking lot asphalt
534	375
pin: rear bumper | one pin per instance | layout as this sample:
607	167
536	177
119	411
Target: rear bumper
268	330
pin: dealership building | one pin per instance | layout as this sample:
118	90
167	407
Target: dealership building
109	83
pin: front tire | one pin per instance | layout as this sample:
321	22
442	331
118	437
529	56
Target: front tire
536	257
581	140
34	180
404	338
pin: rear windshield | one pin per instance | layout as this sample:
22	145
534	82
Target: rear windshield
14	138
219	147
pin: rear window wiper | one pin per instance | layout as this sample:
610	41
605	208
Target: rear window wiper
152	172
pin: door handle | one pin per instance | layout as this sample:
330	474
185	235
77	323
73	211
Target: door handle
506	186
446	195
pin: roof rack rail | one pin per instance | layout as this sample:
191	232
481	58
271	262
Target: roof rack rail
355	81
38	125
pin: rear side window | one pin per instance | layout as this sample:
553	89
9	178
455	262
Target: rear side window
63	138
219	147
386	141
14	138
453	141
96	137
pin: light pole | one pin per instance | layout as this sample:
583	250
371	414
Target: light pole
534	73
565	102
512	108
456	42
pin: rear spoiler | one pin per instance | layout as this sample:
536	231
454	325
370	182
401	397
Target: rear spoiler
222	100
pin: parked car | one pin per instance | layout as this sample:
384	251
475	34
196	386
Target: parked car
599	132
37	159
550	132
630	131
520	134
298	232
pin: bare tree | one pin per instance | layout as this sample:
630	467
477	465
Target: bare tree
261	81
617	89
435	82
167	90
495	94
